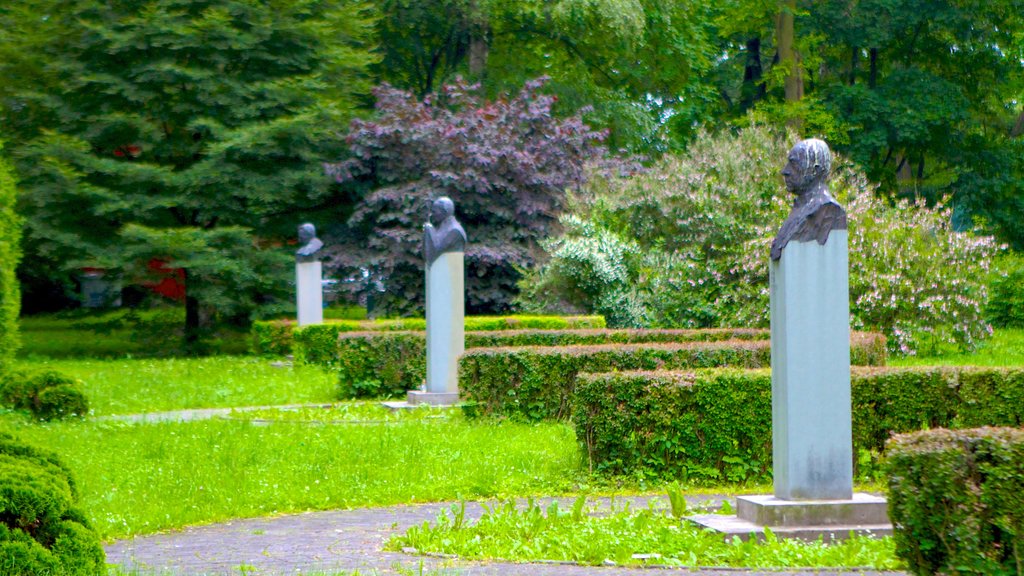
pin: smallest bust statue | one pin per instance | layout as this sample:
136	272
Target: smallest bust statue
310	244
815	213
442	233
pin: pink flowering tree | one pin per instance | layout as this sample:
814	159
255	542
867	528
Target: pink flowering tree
686	245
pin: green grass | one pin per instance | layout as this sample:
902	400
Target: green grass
119	333
369	412
528	534
129	386
1004	348
143	478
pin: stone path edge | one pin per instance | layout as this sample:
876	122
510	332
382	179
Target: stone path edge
353	540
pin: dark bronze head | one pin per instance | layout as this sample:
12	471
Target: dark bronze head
306	233
442	208
808	166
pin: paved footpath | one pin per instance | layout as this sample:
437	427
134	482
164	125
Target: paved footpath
349	540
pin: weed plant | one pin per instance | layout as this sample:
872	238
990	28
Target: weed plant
129	386
625	537
143	478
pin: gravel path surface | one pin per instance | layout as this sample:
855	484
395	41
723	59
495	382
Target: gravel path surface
348	540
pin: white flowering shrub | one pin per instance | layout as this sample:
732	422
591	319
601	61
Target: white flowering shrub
686	245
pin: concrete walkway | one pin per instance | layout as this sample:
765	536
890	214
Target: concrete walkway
349	540
203	413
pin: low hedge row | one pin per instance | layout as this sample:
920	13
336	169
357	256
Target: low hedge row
715	424
47	395
277	337
390	363
956	499
537	383
41	531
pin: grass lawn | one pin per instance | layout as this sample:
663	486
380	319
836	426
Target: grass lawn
1004	348
143	478
127	386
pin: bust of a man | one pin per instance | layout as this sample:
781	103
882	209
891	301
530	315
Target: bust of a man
309	244
442	233
815	213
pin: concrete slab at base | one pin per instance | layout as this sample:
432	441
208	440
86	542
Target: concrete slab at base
767	510
730	526
433	398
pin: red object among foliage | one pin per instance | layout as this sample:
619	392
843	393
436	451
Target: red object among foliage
170	282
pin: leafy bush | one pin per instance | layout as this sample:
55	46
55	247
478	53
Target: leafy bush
1006	293
537	383
686	245
47	395
955	499
41	532
506	163
716	424
374	364
276	337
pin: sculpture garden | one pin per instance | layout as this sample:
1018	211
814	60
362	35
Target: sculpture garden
581	287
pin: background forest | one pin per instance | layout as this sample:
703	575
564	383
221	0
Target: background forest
610	156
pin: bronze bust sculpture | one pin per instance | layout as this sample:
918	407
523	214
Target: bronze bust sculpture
310	244
442	233
815	213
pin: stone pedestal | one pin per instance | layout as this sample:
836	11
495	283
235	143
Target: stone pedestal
309	293
812	444
446	341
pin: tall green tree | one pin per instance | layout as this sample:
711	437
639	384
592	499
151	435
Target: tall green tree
191	132
10	235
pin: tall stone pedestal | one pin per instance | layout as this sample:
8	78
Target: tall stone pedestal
309	293
446	341
812	444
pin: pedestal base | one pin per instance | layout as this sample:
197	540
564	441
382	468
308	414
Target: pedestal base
415	397
863	514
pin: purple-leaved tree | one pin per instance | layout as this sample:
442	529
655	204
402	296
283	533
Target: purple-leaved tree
507	164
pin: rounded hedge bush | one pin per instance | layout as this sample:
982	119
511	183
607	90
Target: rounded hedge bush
47	395
41	532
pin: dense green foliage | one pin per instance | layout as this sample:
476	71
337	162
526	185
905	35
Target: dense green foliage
185	134
10	253
275	337
716	425
955	500
42	531
537	383
686	244
48	395
506	163
1005	306
374	364
595	536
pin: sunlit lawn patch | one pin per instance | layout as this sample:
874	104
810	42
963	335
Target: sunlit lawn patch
625	537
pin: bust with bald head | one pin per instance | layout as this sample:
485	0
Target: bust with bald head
815	213
309	244
442	233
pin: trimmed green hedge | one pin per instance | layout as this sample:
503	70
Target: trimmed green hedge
956	500
716	424
47	395
276	337
41	532
537	383
373	364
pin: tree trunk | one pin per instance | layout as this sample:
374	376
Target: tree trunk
479	30
873	75
854	63
1018	127
753	88
785	39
